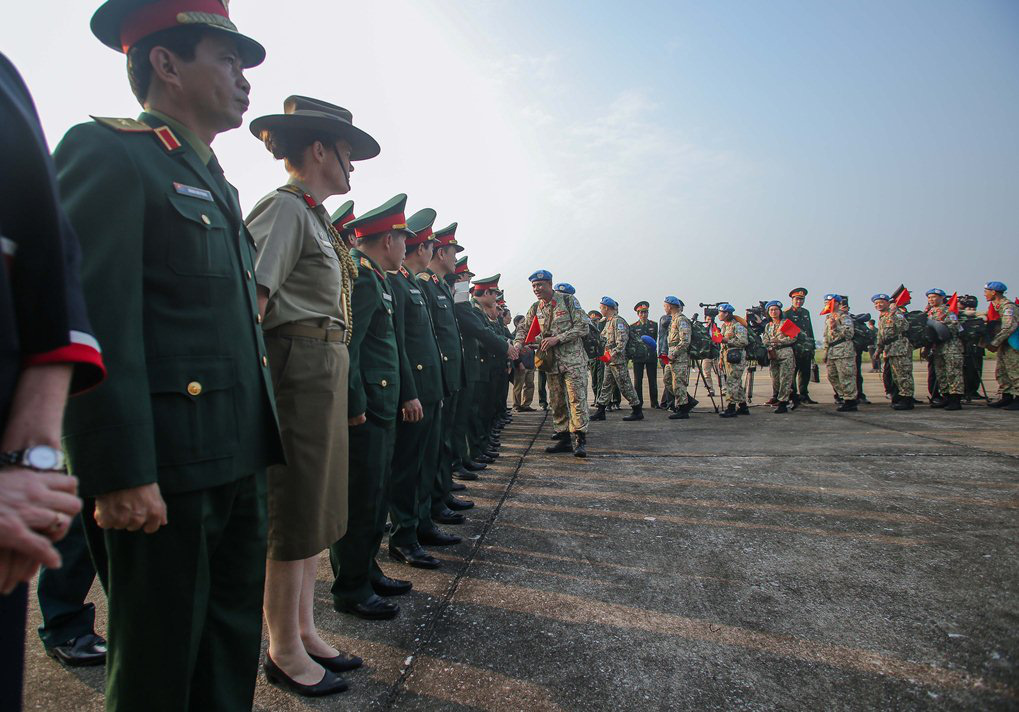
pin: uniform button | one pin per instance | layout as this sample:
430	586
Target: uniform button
265	361
205	219
195	388
445	358
258	318
420	367
383	383
248	274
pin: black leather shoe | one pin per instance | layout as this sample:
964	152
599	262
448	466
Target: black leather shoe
375	608
680	415
437	537
341	663
330	684
448	516
484	459
414	556
83	651
457	504
474	466
560	446
598	414
465	475
491	454
565	435
903	404
457	487
385	586
848	406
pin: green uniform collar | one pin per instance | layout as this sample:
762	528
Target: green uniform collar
203	150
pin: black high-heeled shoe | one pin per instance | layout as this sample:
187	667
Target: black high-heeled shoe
330	684
340	663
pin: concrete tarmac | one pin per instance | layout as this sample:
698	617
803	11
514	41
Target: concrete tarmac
815	560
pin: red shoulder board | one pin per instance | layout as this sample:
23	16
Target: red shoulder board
310	201
435	279
167	138
404	272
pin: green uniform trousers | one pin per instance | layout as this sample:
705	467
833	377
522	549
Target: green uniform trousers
442	480
414	442
353	556
461	416
185	603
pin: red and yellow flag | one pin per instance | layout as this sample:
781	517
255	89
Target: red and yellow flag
829	307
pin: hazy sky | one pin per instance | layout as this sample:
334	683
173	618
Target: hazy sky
711	150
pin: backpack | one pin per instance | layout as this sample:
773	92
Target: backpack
917	333
594	345
636	349
755	348
862	335
701	345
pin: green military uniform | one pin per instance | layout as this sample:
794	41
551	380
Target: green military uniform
167	270
805	344
378	367
481	335
646	360
416	443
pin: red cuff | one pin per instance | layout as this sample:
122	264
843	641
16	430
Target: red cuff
89	367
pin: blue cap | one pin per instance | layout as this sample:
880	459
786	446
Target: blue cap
610	302
936	291
837	297
996	287
541	275
651	343
565	288
674	301
727	308
880	296
773	303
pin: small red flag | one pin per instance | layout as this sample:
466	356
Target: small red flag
664	359
953	303
829	307
902	297
992	313
605	357
716	334
533	332
789	329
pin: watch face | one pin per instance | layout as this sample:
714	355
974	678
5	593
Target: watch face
43	457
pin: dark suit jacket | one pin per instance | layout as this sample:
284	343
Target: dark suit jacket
414	327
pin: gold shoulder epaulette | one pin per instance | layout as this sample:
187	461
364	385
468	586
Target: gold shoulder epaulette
126	125
366	263
423	276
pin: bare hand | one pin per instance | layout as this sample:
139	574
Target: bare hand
34	507
548	343
512	353
992	349
412	411
132	509
356	420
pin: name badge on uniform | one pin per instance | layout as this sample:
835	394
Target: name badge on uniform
387	297
441	298
192	192
415	291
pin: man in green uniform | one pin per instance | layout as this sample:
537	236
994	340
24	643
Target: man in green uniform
378	365
805	344
172	449
646	360
415	441
440	304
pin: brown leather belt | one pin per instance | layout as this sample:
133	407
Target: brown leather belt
309	332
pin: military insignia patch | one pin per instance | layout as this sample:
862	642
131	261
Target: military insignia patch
193	192
365	262
404	272
127	125
423	277
167	138
435	279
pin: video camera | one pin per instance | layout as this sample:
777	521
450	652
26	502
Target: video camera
711	309
757	317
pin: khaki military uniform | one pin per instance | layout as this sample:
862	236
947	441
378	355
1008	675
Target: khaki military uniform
566	363
948	356
1006	371
840	358
616	333
680	330
734	339
783	363
892	328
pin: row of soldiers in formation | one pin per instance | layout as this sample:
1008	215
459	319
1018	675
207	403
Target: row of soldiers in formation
786	336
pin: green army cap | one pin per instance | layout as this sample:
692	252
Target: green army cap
302	113
460	268
121	24
487	283
641	305
420	223
387	217
447	236
343	215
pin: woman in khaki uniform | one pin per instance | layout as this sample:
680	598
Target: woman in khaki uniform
304	275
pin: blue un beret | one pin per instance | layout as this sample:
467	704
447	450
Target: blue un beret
610	302
996	287
837	297
651	343
674	301
773	303
565	288
880	296
727	308
540	276
939	292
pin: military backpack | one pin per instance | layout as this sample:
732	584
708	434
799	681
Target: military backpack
917	332
701	345
592	341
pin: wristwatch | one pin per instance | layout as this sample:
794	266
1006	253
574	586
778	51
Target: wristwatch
42	458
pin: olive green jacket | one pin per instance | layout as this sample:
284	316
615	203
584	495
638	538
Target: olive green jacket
376	359
414	322
447	332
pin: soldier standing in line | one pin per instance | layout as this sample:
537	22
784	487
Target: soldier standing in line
678	368
664	322
1006	372
616	335
893	347
647	360
780	354
804	350
732	361
840	355
561	355
946	356
861	397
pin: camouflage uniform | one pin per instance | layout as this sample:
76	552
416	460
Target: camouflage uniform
892	328
616	333
664	323
948	356
734	338
566	362
679	357
841	355
783	365
1007	369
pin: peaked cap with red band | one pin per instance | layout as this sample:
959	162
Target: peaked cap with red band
121	24
447	236
420	223
386	218
461	267
487	283
343	215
